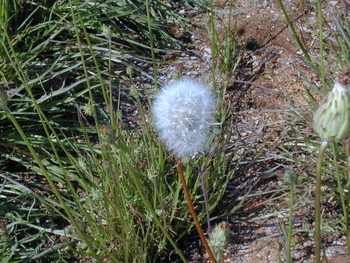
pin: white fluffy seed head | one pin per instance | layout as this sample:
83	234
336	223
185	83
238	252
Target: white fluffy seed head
183	112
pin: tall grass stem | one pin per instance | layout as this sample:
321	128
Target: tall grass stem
320	28
290	226
344	201
347	144
214	40
151	43
295	34
206	202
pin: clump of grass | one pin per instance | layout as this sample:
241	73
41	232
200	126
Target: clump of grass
113	190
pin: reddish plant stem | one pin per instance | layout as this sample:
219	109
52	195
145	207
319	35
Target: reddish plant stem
193	212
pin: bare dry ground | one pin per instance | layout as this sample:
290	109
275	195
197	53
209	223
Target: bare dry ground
270	58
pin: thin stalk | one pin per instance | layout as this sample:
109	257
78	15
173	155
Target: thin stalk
110	70
319	163
214	43
151	43
290	226
341	193
4	14
80	46
320	28
295	34
90	46
347	143
193	212
206	202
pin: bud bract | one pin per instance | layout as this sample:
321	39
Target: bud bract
219	239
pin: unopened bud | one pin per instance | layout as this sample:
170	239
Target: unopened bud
290	177
219	239
129	70
332	119
106	30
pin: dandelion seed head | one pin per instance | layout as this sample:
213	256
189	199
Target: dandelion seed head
183	111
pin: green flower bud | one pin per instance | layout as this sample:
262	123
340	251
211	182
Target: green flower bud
89	108
130	70
332	119
219	239
106	31
290	177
